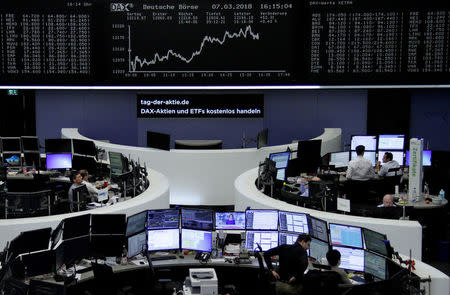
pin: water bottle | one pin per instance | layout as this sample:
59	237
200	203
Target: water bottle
442	194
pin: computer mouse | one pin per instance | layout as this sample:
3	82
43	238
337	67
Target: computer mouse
141	262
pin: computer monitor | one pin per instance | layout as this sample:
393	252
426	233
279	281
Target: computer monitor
39	263
58	146
108	224
72	250
77	226
230	220
12	159
396	156
84	147
163	239
163	218
308	153
346	235
339	159
375	265
318	228
32	159
281	159
351	258
266	239
367	155
59	161
136	244
11	144
261	139
293	222
197	240
197	219
136	223
368	141
85	162
107	245
158	140
391	142
318	249
261	219
116	163
30	144
426	158
287	238
30	241
281	174
375	241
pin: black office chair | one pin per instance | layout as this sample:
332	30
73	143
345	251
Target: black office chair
357	191
104	281
317	282
391	181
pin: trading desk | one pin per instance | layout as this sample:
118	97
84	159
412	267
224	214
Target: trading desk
244	277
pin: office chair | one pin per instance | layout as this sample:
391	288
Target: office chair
391	181
357	191
105	282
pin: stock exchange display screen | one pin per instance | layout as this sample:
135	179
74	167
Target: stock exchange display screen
145	43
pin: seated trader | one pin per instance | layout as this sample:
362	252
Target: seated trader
388	164
388	201
293	261
360	168
93	190
334	260
76	182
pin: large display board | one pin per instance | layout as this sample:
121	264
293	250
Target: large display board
148	43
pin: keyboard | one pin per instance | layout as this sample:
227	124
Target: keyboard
165	257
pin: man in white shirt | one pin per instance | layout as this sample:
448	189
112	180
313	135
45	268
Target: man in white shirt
360	168
92	189
388	164
76	182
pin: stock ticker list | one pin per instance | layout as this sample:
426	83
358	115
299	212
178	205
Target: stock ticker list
203	41
43	43
346	38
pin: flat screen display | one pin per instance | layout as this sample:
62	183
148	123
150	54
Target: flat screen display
11	144
375	265
12	159
266	239
59	161
281	159
116	163
84	147
197	219
108	224
197	240
281	174
396	156
163	239
345	235
367	155
293	222
287	238
261	219
339	159
368	141
77	226
426	158
391	142
375	241
230	220
30	144
351	258
136	223
136	244
58	145
318	249
318	228
164	218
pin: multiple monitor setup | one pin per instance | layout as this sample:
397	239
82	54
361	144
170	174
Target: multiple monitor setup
103	235
375	148
12	149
